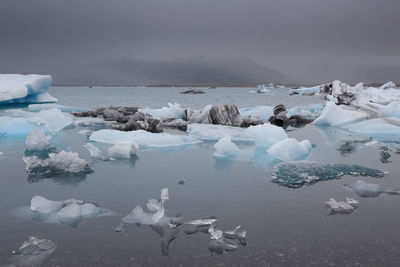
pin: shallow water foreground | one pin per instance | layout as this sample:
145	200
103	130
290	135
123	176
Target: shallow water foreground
285	226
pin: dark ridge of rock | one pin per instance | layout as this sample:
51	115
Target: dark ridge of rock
250	121
148	124
298	120
279	109
192	91
225	115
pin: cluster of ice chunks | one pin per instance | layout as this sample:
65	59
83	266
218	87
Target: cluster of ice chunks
57	164
296	174
343	207
168	227
70	212
32	252
365	189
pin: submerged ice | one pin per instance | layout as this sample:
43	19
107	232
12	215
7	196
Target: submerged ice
365	189
296	174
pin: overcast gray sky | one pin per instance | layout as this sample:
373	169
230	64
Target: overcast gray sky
141	42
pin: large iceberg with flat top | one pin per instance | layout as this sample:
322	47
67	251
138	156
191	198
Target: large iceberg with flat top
18	88
142	138
290	149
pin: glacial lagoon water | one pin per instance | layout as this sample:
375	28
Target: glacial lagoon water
285	226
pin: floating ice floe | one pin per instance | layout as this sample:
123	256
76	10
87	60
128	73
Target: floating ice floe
172	111
290	149
225	241
53	119
365	189
32	88
377	128
259	112
18	127
344	207
266	135
40	107
123	150
37	140
70	212
142	138
225	148
32	252
334	115
57	163
213	132
296	174
306	90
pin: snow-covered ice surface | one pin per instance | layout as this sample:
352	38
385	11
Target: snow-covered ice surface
32	88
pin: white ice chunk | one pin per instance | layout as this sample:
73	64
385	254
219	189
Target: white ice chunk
225	148
143	138
199	116
43	205
259	112
334	115
202	222
215	132
10	126
32	88
38	140
266	135
388	85
172	111
94	151
290	149
345	207
57	162
164	195
53	119
123	150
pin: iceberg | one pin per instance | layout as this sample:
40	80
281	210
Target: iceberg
365	189
70	212
172	111
37	140
259	112
266	135
378	128
213	132
306	90
53	119
142	138
290	149
32	88
334	115
123	150
225	148
344	207
57	163
298	173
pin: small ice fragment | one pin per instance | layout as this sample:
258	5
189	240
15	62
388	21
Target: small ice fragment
120	228
215	233
43	205
225	148
344	207
123	150
266	135
290	149
164	195
34	246
236	234
207	221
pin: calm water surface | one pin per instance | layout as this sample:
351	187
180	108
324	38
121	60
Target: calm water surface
286	227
